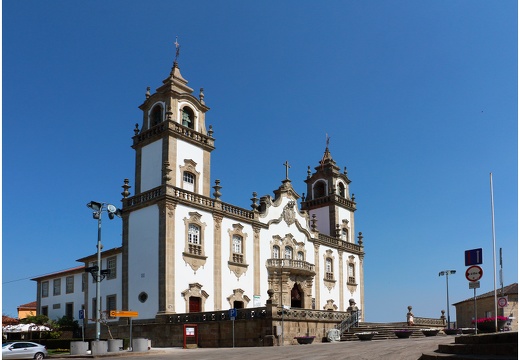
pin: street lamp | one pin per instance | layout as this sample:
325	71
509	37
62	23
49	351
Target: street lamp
442	273
96	271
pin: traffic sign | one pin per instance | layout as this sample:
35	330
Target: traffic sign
474	273
81	314
502	301
121	313
473	257
232	313
474	284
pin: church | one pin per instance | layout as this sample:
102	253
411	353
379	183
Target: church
184	250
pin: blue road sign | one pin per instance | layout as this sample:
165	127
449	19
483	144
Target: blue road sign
233	313
473	257
81	314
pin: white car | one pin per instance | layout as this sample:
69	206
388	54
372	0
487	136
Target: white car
23	350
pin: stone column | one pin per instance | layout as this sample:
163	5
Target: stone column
318	274
217	251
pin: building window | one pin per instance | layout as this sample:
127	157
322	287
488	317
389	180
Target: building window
238	256
156	115
351	274
56	287
112	266
56	306
288	252
189	181
300	256
329	274
193	253
45	289
276	252
45	310
69	284
111	305
194	246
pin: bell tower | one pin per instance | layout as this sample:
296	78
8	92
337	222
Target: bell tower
172	161
328	201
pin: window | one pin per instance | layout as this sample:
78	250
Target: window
111	305
276	252
194	234
56	287
329	273
45	310
156	115
45	289
288	252
69	284
351	274
189	181
238	257
300	256
344	234
112	266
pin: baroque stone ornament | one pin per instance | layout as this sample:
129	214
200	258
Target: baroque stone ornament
289	215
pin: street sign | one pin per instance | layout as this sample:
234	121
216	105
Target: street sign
474	273
502	301
81	314
232	313
121	313
474	284
473	257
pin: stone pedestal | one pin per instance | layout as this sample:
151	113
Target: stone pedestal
115	345
98	347
78	347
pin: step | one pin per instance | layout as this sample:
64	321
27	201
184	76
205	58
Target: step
480	349
440	356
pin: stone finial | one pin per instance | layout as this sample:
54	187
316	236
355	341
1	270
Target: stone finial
360	239
210	131
308	171
254	199
147	92
338	231
136	130
313	222
125	192
270	292
201	95
166	172
353	197
169	113
217	194
345	170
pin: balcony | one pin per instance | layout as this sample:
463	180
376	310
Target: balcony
296	267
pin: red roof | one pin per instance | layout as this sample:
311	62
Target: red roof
31	305
508	290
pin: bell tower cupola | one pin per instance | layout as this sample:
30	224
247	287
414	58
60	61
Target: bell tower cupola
172	144
328	200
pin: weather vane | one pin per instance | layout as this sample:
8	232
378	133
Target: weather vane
177	48
327	137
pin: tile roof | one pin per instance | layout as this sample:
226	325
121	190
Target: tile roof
508	290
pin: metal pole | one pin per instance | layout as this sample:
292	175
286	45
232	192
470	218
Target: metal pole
494	250
98	281
281	294
475	306
448	299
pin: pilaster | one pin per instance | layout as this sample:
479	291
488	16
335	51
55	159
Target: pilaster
217	251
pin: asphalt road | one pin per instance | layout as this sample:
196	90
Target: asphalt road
393	349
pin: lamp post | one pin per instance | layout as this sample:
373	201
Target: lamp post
447	273
96	271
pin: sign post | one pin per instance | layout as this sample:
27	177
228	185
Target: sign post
473	258
232	316
128	314
82	318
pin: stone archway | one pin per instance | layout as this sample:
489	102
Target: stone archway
297	296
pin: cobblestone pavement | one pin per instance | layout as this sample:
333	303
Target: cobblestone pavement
393	349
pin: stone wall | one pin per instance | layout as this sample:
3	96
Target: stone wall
466	311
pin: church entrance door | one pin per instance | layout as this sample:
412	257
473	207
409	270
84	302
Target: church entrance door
194	304
296	297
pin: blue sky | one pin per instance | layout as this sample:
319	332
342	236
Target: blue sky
419	99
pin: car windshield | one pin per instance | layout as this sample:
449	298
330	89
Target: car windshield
5	345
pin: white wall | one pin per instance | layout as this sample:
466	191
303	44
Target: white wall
151	165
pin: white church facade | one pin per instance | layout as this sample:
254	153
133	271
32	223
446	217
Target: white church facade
184	250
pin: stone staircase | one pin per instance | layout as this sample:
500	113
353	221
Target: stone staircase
384	330
496	346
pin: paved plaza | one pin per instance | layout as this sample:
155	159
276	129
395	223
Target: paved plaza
392	349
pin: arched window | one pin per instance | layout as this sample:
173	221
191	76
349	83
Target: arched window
288	252
300	256
319	189
276	252
341	190
156	115
187	117
328	265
